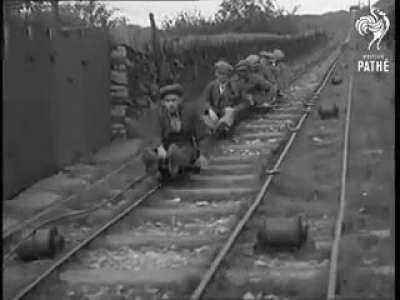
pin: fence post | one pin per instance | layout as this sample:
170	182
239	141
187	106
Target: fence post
54	5
156	47
91	17
6	30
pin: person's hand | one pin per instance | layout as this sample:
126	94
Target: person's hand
282	94
228	109
150	160
250	99
210	120
128	121
162	154
201	162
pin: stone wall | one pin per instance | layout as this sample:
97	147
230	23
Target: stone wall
119	91
188	61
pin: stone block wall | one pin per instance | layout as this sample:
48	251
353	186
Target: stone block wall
119	91
135	88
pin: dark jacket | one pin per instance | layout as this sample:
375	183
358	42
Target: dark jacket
283	75
193	129
216	100
254	84
270	73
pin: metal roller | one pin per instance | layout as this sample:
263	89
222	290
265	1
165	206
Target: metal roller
327	111
336	79
283	233
44	243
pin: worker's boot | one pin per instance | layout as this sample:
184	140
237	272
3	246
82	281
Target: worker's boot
273	94
210	119
226	122
177	160
150	160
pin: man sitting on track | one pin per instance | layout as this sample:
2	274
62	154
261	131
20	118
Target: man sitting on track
219	98
265	94
182	133
281	70
268	61
252	88
244	86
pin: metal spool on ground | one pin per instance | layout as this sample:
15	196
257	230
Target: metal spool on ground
283	232
328	111
44	243
336	79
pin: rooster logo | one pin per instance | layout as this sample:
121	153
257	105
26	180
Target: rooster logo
376	23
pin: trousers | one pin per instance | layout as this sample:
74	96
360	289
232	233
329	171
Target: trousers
171	161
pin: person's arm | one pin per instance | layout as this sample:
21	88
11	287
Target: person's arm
245	97
201	133
154	136
265	85
206	95
284	75
233	88
235	92
269	75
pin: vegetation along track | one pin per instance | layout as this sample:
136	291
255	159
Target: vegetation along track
162	244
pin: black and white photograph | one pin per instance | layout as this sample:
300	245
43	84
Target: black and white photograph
199	149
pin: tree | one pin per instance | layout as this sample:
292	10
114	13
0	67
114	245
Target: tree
245	9
236	16
78	13
185	20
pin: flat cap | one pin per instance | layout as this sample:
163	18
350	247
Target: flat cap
223	66
175	89
242	65
279	54
253	59
267	54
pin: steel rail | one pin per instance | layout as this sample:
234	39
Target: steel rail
128	186
15	229
81	245
106	226
68	255
339	222
198	292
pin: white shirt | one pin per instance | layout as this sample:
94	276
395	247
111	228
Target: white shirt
222	88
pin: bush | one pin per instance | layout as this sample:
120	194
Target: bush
80	13
235	16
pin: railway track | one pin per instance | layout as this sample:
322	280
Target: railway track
248	269
111	182
180	227
109	185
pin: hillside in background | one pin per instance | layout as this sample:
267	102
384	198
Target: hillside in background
334	23
386	5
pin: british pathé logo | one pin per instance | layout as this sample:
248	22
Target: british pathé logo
373	63
376	24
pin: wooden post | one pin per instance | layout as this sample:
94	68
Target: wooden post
56	12
5	30
91	12
156	48
27	17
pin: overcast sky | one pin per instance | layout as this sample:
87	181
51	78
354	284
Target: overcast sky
138	11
